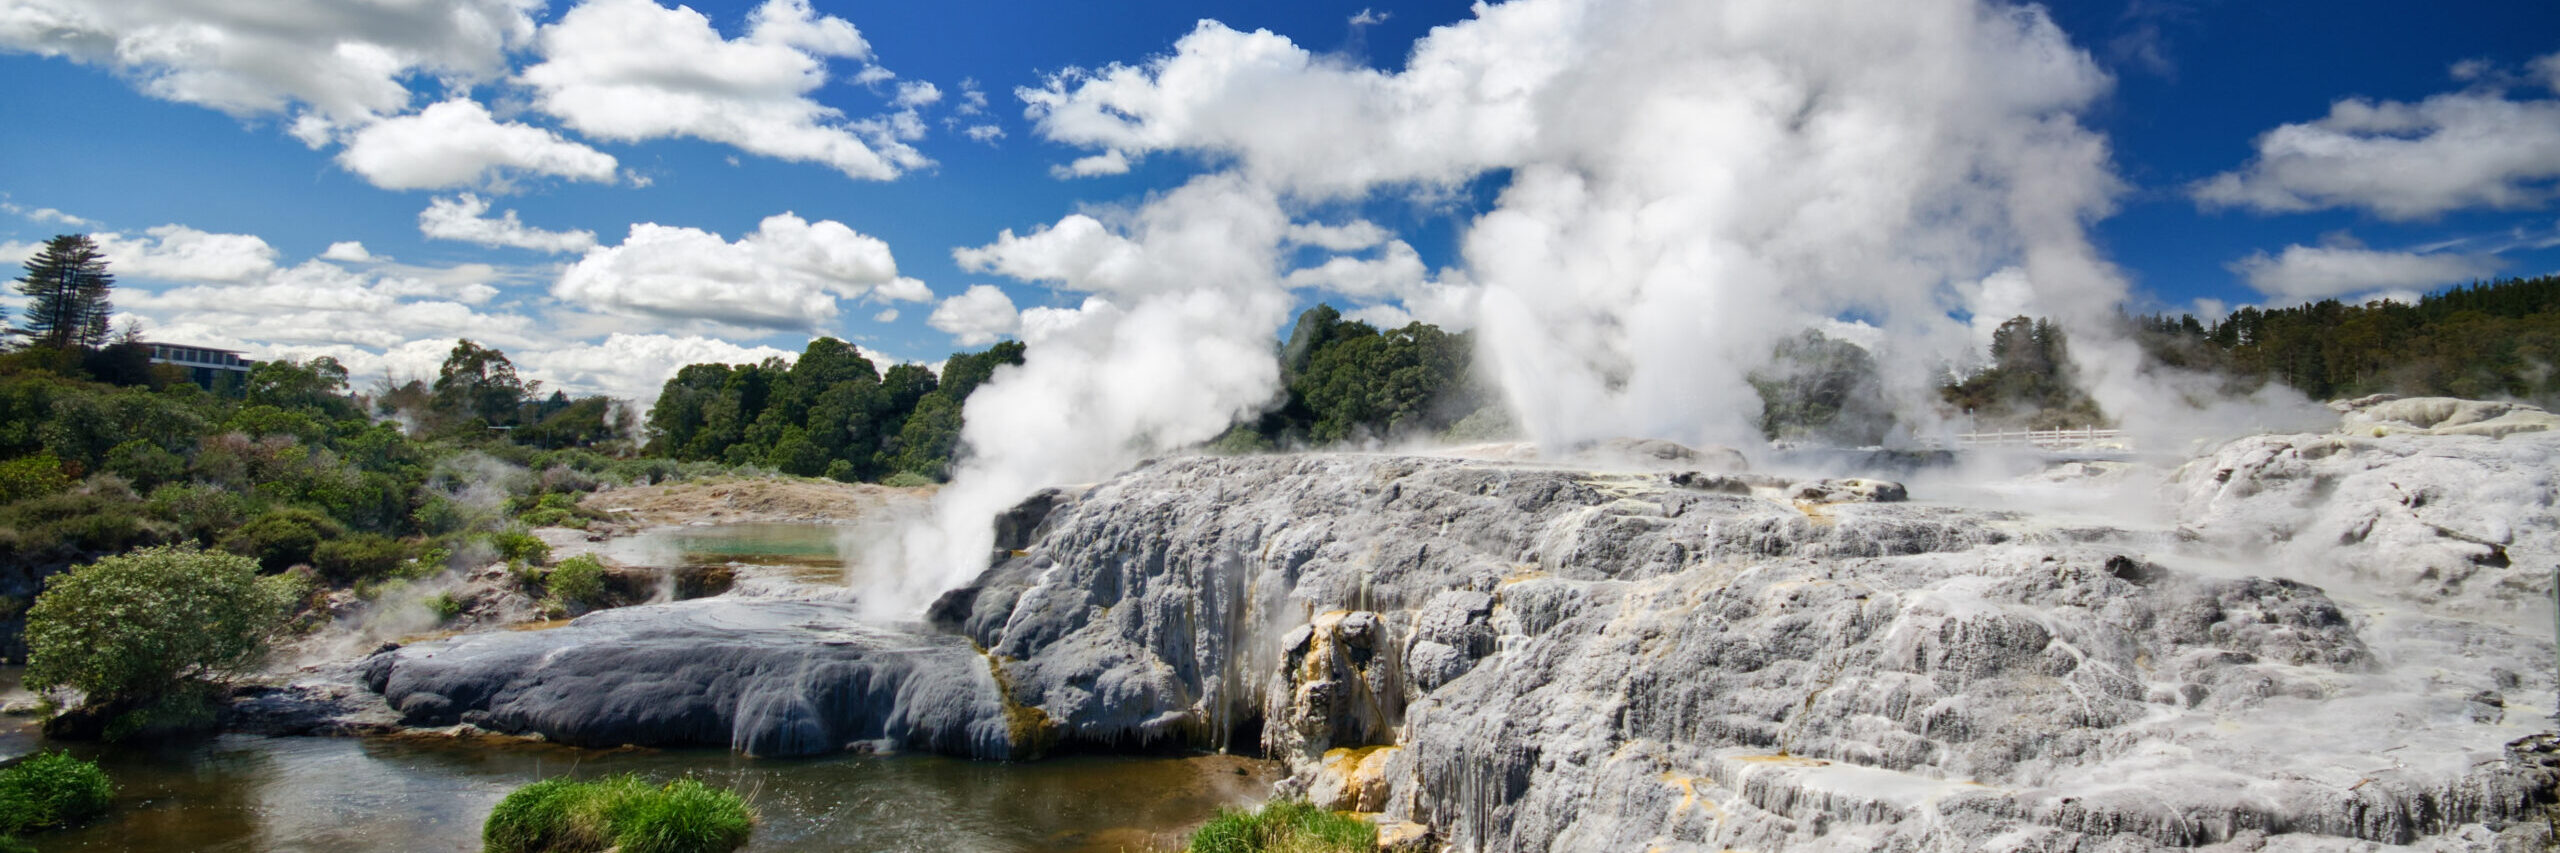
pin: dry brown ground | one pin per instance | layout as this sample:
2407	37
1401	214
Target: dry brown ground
746	500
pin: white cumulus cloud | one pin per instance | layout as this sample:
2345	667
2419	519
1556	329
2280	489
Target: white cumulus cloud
350	251
2400	160
633	366
1217	232
978	316
466	218
179	253
344	61
630	70
788	274
2308	272
457	143
1347	237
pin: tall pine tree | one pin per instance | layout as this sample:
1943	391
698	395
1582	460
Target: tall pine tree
66	286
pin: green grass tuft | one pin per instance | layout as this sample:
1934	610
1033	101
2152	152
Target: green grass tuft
51	789
622	813
1284	826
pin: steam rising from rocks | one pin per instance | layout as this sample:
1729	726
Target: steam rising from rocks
1686	183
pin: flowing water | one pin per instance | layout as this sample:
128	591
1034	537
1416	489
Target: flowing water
430	793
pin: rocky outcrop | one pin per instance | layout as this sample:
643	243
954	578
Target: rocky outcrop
2337	641
2385	414
1533	658
762	676
2460	524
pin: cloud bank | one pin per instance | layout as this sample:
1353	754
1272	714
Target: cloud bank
789	274
2474	148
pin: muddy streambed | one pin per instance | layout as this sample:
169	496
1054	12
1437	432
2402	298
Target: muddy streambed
430	793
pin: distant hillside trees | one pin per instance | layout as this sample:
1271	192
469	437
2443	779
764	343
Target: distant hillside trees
830	413
2495	339
66	285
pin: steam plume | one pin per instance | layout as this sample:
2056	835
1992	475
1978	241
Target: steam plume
1687	183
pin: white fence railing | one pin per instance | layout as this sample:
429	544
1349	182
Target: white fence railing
2048	439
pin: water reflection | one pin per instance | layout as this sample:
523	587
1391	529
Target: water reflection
247	793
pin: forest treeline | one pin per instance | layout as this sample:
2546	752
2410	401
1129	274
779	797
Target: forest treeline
829	413
2484	340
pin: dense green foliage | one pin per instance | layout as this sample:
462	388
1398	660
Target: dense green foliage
134	631
621	813
831	413
2499	339
1284	826
50	789
1344	380
89	469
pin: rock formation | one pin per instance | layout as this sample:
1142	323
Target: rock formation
2340	640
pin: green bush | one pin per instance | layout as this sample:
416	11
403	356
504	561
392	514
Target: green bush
1284	826
100	516
202	512
578	580
145	463
906	480
622	813
518	544
51	789
133	630
359	556
30	477
282	538
553	510
445	606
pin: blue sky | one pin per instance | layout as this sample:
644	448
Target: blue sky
226	148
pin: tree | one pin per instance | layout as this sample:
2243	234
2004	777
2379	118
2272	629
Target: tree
141	634
66	286
319	384
479	382
1818	388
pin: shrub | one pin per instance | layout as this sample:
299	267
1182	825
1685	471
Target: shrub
518	544
553	510
906	480
100	516
445	606
283	537
620	813
135	630
359	556
578	580
31	476
145	463
1284	826
202	512
51	789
